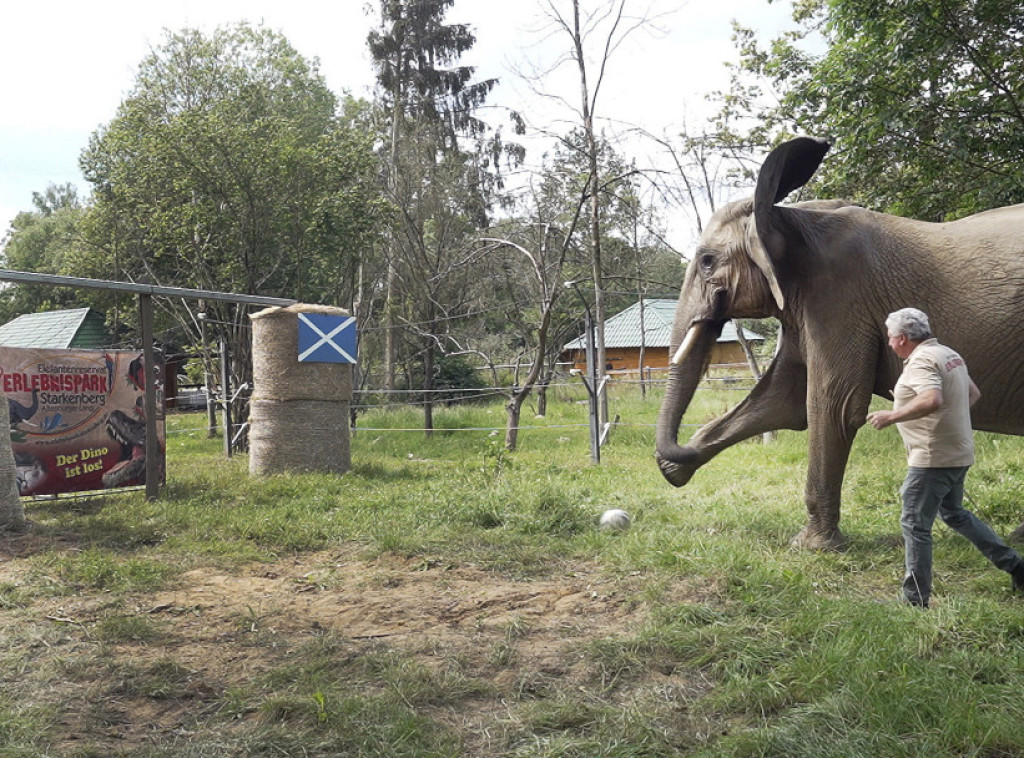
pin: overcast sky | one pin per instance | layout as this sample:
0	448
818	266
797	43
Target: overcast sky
65	65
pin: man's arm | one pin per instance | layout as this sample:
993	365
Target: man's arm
927	402
973	393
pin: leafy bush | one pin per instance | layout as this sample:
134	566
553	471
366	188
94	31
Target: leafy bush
456	373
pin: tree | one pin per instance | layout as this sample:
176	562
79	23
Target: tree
229	167
923	98
440	168
628	226
40	241
544	243
534	295
642	253
593	34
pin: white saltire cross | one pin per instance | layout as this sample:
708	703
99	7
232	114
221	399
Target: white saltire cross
335	346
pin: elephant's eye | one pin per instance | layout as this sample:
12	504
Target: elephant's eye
707	262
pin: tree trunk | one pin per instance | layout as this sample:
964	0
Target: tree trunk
428	386
240	367
211	394
390	351
752	364
643	349
390	348
751	360
595	209
208	373
640	289
515	409
542	396
12	515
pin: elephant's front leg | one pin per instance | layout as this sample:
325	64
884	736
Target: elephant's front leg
778	401
832	424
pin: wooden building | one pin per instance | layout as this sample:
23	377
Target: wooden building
623	339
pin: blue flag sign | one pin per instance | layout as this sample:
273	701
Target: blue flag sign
327	339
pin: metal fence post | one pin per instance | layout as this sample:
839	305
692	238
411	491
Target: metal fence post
592	389
225	393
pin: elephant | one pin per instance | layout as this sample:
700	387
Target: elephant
831	271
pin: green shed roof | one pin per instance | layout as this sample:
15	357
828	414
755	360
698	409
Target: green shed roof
623	329
79	327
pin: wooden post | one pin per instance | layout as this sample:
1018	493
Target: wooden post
149	367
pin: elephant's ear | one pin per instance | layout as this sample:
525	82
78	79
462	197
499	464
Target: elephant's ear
760	258
787	167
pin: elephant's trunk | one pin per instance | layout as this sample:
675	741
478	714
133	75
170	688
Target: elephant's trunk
678	463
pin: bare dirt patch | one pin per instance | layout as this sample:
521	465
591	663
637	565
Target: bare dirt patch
223	629
403	600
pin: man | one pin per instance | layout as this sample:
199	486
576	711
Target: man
931	409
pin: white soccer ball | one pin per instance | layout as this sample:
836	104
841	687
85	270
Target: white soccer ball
615	518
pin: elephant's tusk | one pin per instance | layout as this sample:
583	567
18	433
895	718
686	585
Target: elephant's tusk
691	337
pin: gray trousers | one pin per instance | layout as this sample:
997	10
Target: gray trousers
928	492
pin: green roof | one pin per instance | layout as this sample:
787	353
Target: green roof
80	327
623	329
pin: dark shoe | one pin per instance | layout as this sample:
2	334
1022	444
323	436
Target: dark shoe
1018	578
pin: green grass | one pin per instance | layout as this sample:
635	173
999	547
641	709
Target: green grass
747	647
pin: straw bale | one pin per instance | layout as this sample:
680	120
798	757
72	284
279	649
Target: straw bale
277	373
298	435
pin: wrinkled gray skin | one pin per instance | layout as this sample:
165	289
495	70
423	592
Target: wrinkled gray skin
831	272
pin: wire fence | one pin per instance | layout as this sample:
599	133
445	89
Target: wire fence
366	402
194	421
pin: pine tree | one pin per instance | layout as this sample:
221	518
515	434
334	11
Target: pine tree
440	172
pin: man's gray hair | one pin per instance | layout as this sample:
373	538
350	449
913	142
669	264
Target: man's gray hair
911	323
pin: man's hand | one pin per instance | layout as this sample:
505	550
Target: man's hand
927	402
881	419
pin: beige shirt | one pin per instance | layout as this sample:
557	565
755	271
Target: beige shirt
942	439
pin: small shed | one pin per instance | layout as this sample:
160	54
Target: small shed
57	330
622	339
82	329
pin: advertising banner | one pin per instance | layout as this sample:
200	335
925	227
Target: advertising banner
77	418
